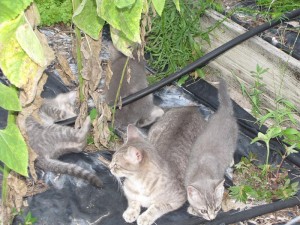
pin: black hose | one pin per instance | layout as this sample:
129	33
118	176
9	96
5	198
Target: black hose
228	218
209	56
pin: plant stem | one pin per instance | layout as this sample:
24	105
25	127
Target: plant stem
280	165
75	4
268	152
118	93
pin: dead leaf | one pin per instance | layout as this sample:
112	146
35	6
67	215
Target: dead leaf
16	190
63	62
30	110
28	91
65	79
32	15
128	73
108	74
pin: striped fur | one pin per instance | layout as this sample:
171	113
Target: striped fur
50	141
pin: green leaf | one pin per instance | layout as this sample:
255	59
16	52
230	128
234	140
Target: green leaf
291	149
93	114
14	62
126	20
10	10
159	6
124	3
9	99
273	132
260	137
182	80
31	44
176	2
13	149
85	18
290	131
121	42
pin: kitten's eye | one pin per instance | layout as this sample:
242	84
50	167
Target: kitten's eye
203	211
218	208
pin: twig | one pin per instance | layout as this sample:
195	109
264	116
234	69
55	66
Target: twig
75	4
118	93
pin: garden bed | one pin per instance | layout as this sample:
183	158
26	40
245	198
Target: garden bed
282	78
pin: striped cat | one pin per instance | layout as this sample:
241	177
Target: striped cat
154	166
50	141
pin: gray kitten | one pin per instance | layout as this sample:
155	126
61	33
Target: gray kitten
154	167
141	112
50	141
211	155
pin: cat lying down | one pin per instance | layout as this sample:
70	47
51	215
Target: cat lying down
50	141
154	167
183	157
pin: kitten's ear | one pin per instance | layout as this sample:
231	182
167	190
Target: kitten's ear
219	191
133	133
193	193
134	155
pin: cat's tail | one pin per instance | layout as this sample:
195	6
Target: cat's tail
224	98
68	168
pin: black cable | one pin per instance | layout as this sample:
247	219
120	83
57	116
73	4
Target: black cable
209	56
228	218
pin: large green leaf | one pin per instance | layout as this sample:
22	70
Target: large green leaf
13	149
120	41
85	18
31	44
159	6
176	2
9	99
126	20
14	62
11	9
124	3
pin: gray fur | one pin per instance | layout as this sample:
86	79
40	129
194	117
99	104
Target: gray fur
50	141
154	167
212	153
141	112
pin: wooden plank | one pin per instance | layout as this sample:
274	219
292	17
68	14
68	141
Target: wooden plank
282	78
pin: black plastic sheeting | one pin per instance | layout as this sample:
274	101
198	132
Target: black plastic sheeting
206	94
73	201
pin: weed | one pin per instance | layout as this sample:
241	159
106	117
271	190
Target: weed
272	9
254	183
171	41
29	219
267	182
55	11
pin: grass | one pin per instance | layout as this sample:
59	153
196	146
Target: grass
54	11
171	40
271	9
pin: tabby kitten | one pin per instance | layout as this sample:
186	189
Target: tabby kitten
154	167
50	141
211	155
141	112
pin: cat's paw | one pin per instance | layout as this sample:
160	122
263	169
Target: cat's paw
144	219
130	215
192	211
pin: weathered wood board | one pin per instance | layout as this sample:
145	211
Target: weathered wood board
282	78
